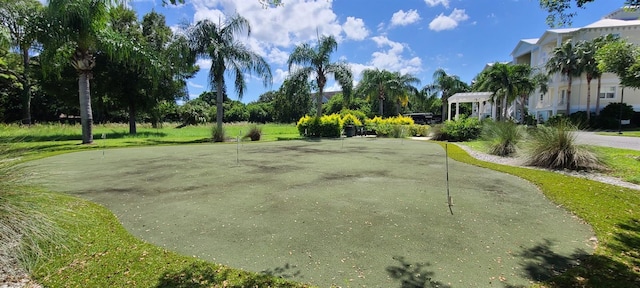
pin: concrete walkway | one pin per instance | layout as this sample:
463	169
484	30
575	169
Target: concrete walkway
591	138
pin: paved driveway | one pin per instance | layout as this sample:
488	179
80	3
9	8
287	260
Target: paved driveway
591	138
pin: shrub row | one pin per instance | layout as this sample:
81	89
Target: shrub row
331	125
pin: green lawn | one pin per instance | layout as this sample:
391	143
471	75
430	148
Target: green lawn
621	163
613	212
32	141
624	133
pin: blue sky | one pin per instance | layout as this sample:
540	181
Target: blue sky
410	36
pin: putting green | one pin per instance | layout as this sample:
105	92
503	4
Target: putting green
355	212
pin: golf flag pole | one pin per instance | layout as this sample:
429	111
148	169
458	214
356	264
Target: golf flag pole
446	154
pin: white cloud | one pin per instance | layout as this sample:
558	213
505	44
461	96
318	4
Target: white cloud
277	56
443	22
195	85
282	27
280	75
402	18
205	64
432	3
355	29
392	59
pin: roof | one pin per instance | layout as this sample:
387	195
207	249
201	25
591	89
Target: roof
469	97
606	23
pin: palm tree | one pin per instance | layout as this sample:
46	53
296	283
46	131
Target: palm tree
383	85
564	60
506	82
598	43
446	85
218	43
316	61
74	30
587	63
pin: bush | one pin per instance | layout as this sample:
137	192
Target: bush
325	126
218	135
503	137
350	119
419	130
462	129
254	133
610	116
194	113
357	113
555	148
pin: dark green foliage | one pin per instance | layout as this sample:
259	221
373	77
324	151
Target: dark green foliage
503	137
613	111
463	129
260	112
254	133
235	111
194	112
555	147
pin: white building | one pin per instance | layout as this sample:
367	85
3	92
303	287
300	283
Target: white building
536	52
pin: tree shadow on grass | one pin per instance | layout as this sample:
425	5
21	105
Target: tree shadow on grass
412	275
203	274
583	270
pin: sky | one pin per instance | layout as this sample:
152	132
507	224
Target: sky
409	36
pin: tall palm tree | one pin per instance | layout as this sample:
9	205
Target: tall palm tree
316	61
446	85
20	17
217	42
598	43
74	30
507	82
587	63
383	85
564	60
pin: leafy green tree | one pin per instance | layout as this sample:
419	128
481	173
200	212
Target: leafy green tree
218	43
75	30
619	57
20	18
507	82
426	101
383	85
558	9
598	42
564	60
292	101
446	85
587	63
316	61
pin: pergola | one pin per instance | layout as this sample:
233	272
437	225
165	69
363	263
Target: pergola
480	102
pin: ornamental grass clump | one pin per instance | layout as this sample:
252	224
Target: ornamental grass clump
217	135
502	137
23	227
555	148
254	133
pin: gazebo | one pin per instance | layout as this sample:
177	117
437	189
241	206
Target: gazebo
482	107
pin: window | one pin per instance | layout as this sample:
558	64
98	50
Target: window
608	92
562	95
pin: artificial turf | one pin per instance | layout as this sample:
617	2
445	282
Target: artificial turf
349	212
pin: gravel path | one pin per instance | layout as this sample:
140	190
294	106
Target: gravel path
518	162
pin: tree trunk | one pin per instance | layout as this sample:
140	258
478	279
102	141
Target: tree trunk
26	119
86	117
132	118
598	97
319	102
219	107
588	98
381	105
504	107
522	101
569	96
